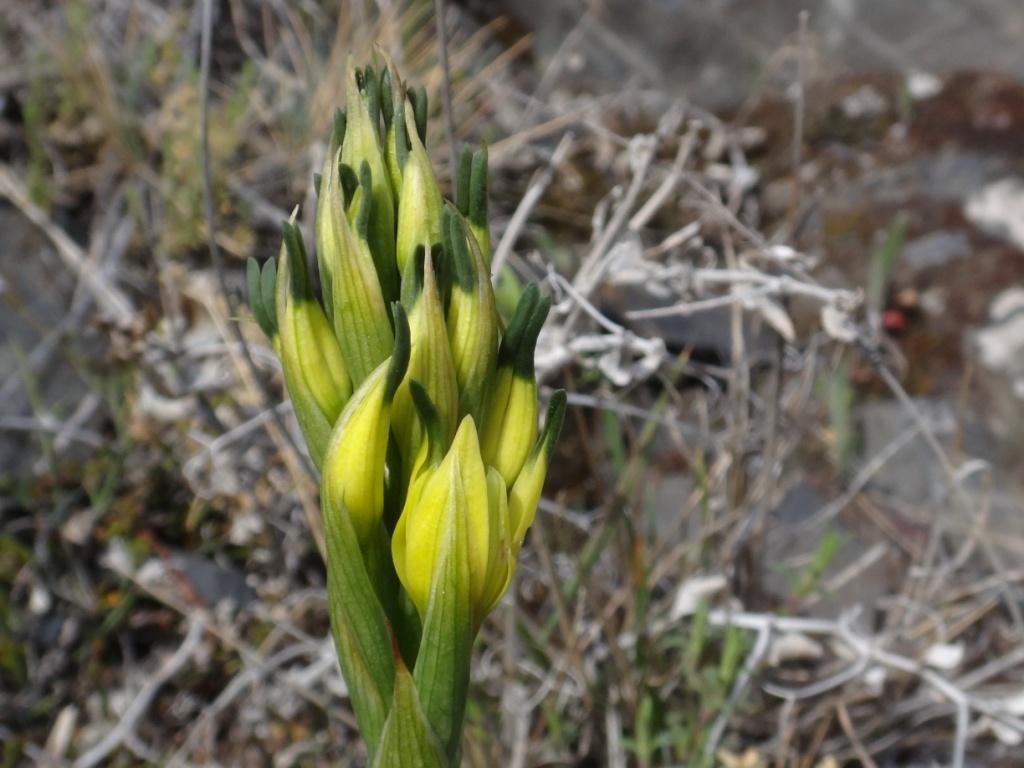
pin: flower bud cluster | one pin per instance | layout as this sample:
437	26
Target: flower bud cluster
417	403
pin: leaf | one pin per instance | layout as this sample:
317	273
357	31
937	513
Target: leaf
359	627
408	740
442	667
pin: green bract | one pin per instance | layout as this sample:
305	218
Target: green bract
419	411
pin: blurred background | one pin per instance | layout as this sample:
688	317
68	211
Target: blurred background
786	246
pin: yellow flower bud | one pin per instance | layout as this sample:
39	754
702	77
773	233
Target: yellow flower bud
430	362
472	318
314	370
357	302
362	144
525	493
354	463
511	424
458	490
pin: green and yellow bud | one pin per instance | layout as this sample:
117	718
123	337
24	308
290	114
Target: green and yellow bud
355	460
510	428
430	362
525	494
457	490
362	144
359	310
314	369
472	318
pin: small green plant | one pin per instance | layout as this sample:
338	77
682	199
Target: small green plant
418	408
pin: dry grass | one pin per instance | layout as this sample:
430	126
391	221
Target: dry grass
164	600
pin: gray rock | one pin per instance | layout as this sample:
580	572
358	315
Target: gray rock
935	249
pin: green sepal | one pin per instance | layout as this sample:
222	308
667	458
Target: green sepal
408	740
359	627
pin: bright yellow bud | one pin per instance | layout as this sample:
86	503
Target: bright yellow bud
314	370
430	362
457	491
472	318
511	425
353	471
525	493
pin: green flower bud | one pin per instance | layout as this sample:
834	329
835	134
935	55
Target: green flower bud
359	311
511	425
354	463
314	369
362	144
430	362
525	493
419	201
472	318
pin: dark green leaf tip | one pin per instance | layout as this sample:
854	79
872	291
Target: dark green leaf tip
338	129
349	181
387	105
465	272
254	284
431	420
401	136
463	179
553	422
477	212
523	365
363	217
372	91
400	353
517	325
419	111
297	265
317	182
412	278
269	285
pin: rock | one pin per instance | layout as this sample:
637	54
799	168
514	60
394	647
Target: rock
999	351
998	209
935	249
